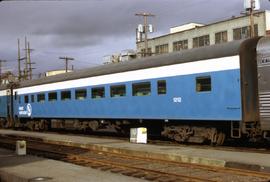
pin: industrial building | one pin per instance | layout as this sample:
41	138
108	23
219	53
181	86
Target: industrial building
192	35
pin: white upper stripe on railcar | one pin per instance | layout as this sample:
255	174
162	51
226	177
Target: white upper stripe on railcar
203	66
2	93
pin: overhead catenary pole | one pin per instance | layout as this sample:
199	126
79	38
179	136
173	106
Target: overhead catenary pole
145	28
66	59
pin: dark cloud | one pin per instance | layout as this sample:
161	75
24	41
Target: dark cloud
90	29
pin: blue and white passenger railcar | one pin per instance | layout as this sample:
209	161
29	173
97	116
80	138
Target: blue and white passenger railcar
196	95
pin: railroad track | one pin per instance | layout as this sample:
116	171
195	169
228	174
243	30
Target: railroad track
263	149
140	167
228	146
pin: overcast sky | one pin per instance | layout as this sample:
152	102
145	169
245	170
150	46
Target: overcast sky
90	29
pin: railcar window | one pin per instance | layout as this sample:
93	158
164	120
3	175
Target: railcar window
41	97
66	95
203	84
162	88
32	98
141	89
80	94
118	91
98	92
53	96
19	98
16	95
26	99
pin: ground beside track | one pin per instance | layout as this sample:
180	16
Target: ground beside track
208	156
26	168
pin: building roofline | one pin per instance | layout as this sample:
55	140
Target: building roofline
206	25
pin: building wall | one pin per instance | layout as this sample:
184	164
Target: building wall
56	72
262	20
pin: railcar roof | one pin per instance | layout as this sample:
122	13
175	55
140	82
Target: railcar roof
202	53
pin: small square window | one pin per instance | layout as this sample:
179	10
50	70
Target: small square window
203	84
98	92
162	88
80	94
53	96
26	99
41	97
118	91
141	89
66	95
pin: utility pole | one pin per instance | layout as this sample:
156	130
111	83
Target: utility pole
19	61
29	61
26	70
251	15
66	59
1	61
145	29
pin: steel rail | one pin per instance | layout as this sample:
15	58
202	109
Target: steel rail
34	143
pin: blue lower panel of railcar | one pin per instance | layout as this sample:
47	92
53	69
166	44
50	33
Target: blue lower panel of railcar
182	101
3	106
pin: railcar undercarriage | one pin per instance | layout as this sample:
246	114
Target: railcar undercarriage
193	134
182	132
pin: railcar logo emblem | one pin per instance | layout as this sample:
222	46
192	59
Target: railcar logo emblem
27	111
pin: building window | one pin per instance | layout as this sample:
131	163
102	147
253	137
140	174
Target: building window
162	88
162	49
80	94
201	41
141	89
26	99
32	98
180	45
52	96
203	84
221	37
118	91
66	95
98	92
244	32
41	97
149	52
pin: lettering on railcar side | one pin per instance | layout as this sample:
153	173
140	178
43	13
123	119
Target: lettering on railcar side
177	99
